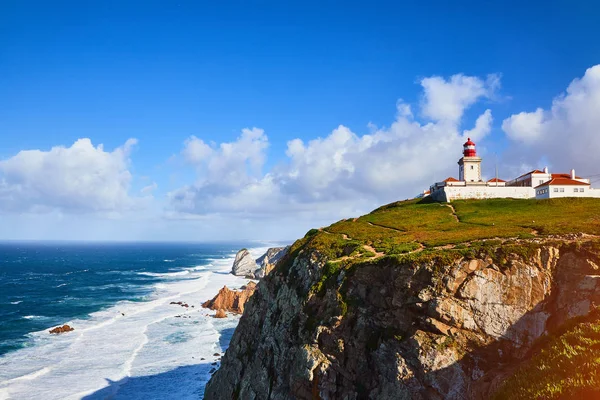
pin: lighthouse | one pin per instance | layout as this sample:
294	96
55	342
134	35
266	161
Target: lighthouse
469	166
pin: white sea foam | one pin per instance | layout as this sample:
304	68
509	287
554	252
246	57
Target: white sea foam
165	274
16	302
33	317
133	350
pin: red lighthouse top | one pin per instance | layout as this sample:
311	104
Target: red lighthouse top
469	149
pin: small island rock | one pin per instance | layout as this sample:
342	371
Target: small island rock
244	264
61	329
231	300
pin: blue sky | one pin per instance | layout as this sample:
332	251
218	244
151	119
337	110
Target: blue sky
162	72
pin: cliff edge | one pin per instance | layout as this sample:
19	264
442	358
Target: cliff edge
418	300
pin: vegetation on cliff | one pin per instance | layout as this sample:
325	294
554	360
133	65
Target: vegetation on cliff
565	365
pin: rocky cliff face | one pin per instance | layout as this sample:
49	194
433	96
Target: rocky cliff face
404	328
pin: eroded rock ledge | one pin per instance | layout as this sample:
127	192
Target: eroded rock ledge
392	329
231	300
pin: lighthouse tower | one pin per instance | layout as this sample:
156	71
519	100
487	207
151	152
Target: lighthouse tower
469	169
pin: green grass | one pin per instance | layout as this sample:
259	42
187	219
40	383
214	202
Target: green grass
398	227
566	366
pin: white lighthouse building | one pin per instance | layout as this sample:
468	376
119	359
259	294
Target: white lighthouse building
539	184
469	166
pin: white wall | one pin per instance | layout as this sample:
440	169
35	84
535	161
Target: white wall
568	191
450	193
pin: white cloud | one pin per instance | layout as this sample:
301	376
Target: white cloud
195	150
342	172
80	178
483	126
446	100
567	135
524	127
229	176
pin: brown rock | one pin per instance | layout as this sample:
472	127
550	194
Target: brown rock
220	314
231	300
61	329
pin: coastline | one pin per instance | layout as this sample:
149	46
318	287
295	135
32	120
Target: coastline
133	346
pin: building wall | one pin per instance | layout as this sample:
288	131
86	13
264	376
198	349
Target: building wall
567	191
469	169
531	180
449	193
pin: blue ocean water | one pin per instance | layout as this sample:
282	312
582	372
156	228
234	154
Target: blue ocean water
118	296
43	284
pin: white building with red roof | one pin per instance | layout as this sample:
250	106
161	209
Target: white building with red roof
540	184
564	187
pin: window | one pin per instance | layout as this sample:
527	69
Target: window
541	181
562	189
581	190
472	167
555	190
576	190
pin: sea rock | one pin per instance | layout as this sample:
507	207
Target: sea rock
220	314
231	300
268	260
61	329
244	264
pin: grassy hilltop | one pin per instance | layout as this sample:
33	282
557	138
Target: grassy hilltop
421	227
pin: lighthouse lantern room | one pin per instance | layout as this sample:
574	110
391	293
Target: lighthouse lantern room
469	165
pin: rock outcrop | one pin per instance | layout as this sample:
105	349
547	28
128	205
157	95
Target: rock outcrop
231	300
404	328
268	260
61	329
244	264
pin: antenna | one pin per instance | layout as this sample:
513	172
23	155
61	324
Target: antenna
496	158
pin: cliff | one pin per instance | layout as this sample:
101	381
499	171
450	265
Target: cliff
417	301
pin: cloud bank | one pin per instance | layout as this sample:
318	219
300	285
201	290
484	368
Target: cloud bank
567	134
76	179
343	171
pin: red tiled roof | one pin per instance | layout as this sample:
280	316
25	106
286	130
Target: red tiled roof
451	179
568	176
496	180
563	181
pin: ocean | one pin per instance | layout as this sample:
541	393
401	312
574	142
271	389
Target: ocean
129	341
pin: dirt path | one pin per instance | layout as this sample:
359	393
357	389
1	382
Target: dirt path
386	227
372	250
450	206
